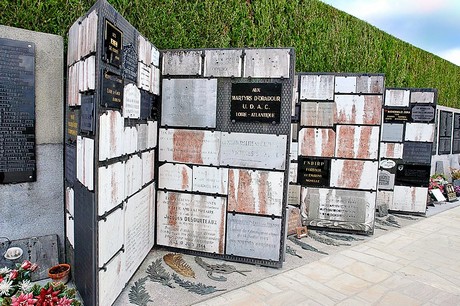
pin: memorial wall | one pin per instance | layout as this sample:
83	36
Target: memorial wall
408	132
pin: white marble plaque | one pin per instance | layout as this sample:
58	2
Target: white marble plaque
317	114
370	84
144	73
189	102
293	172
69	200
358	109
397	97
386	179
189	146
182	62
294	194
422	132
265	151
254	237
345	84
293	151
110	235
223	63
267	63
391	150
384	198
155	58
357	141
422	97
193	222
317	87
111	280
131	101
85	161
155	81
90	63
354	174
392	132
210	179
111	187
129	140
144	50
317	142
133	175
152	133
175	177
410	199
92	31
142	130
111	131
148	166
81	75
255	192
70	229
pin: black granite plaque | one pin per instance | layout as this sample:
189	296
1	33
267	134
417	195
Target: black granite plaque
314	171
445	124
396	115
112	90
87	114
113	41
456	121
70	163
147	100
413	175
256	102
73	118
17	111
130	63
422	113
417	153
444	145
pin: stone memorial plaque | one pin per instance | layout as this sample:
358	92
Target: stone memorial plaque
392	132
111	187
294	195
193	222
112	90
155	81
296	111
456	146
129	69
17	111
152	132
70	229
141	136
70	201
255	102
189	146
354	174
129	140
210	180
110	230
111	280
422	97
182	62
111	132
410	199
317	142
73	42
391	150
293	151
175	177
354	109
255	192
413	175
133	175
253	236
345	84
113	43
155	57
131	101
148	166
396	115
294	219
422	113
370	84
87	114
357	142
267	63
189	102
417	153
295	95
445	124
314	171
317	87
456	124
384	198
90	73
85	161
144	50
144	76
386	180
419	132
293	172
266	151
222	63
397	97
73	119
147	104
317	114
70	163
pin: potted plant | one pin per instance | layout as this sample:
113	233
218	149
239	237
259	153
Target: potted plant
455	173
59	273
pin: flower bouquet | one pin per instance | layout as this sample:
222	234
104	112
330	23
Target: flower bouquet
437	181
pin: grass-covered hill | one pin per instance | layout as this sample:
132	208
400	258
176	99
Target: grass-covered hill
325	39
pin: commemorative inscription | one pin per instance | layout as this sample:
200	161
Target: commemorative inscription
417	153
73	117
130	62
17	111
256	102
112	90
396	115
113	40
413	175
422	113
314	171
87	113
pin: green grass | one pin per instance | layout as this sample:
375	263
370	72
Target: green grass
325	39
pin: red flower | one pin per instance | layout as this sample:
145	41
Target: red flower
33	267
1	279
64	301
13	274
23	300
48	297
26	265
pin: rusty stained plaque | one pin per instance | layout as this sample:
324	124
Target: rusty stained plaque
193	222
294	219
253	236
175	177
293	172
392	132
384	197
210	180
345	84
317	87
317	142
422	132
131	101
189	146
111	279
152	132
182	62
317	114
354	174
391	150
110	230
148	166
133	175
358	109
265	151
85	161
417	153
144	76
267	63
422	97
111	187
111	131
410	199
294	194
189	102
386	179
130	140
255	192
222	63
357	141
370	84
397	97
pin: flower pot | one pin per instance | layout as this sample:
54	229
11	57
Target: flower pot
59	273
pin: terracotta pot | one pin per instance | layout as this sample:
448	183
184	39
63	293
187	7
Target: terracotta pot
59	273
